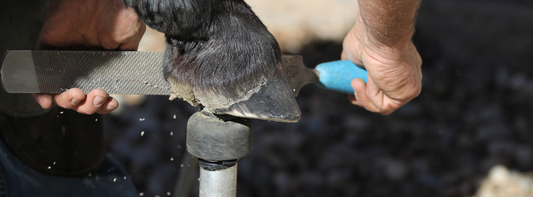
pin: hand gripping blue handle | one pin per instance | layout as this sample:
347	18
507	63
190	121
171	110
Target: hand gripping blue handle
338	75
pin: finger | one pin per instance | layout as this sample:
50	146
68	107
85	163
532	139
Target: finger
110	105
359	89
354	101
353	97
383	103
69	99
44	100
93	101
375	96
361	97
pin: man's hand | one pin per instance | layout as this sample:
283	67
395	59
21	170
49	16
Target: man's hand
88	25
389	56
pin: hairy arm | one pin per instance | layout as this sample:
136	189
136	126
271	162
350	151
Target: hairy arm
389	22
381	42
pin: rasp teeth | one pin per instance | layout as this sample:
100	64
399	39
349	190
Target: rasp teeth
139	73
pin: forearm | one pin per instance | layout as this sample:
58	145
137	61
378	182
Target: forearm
389	23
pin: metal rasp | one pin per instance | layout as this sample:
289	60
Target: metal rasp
136	72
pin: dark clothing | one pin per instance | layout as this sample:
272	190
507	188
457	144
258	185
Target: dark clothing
19	180
43	155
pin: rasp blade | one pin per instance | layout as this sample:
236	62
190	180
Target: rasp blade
116	72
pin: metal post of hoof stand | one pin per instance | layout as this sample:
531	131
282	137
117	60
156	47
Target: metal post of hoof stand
218	141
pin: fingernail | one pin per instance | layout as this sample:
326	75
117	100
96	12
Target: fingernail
98	100
74	101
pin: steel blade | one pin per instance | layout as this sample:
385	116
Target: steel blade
116	72
297	74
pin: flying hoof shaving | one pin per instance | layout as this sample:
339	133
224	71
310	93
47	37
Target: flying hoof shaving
220	57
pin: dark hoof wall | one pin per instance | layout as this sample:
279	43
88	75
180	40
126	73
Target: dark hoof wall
274	101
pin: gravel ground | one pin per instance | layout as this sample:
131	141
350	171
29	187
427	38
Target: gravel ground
469	133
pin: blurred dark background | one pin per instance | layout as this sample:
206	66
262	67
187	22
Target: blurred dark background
474	114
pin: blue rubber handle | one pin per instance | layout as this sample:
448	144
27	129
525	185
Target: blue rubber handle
338	75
